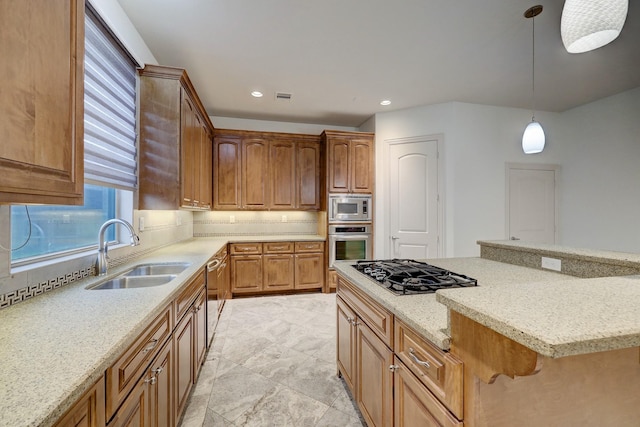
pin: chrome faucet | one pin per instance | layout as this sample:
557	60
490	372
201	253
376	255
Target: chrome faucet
102	263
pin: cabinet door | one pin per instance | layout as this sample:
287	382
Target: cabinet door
161	388
309	271
414	405
88	411
278	272
200	333
255	178
184	363
282	173
346	344
339	164
246	273
224	281
42	107
361	165
135	411
206	173
374	386
226	173
189	156
308	175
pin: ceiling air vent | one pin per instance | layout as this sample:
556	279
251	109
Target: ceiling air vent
283	96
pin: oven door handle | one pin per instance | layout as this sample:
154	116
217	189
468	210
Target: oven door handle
338	237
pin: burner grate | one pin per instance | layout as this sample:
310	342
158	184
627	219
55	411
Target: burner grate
405	277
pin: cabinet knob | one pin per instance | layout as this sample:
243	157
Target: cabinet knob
394	368
151	380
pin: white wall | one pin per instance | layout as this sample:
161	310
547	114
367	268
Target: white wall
118	21
597	146
600	179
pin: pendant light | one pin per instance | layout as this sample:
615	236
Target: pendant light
589	24
533	137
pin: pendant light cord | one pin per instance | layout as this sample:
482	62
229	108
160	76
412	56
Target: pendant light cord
533	70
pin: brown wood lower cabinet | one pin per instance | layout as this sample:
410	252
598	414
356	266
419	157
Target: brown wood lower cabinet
276	266
396	378
88	410
150	401
149	384
374	378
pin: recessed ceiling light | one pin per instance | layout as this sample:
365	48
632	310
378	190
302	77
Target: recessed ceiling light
385	102
256	94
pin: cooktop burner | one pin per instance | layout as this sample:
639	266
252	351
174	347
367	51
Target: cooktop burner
406	276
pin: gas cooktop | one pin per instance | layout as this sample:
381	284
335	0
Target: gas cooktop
407	277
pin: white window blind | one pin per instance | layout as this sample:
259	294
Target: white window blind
109	109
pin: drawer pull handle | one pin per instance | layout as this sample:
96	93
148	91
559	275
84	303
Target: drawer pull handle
150	346
412	354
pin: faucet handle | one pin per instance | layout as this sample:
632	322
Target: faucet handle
135	239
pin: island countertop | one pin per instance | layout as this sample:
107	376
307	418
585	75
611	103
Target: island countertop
558	318
425	313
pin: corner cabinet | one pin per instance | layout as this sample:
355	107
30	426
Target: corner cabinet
42	102
175	142
266	171
350	161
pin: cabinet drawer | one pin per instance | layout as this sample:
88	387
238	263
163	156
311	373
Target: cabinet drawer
379	319
309	247
440	371
415	405
188	295
245	248
278	248
125	372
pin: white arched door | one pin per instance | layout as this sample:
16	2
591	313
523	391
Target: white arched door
413	212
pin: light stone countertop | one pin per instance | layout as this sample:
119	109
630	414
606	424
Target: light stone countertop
558	318
55	346
424	312
543	249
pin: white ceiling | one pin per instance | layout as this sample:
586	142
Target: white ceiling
340	58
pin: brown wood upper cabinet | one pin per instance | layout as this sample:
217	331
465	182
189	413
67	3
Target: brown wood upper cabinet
350	161
42	102
266	171
175	142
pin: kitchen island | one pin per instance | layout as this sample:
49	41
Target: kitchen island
535	347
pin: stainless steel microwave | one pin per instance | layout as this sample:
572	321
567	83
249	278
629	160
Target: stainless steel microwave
349	208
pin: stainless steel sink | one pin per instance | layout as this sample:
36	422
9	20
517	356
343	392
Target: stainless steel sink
157	269
129	282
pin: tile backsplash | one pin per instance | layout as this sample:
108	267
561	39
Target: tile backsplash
161	228
250	223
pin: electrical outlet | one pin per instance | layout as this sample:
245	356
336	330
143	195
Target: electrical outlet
232	219
552	264
284	218
141	223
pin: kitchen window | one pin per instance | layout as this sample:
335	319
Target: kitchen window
110	157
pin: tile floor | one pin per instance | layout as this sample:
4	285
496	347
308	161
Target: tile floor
272	363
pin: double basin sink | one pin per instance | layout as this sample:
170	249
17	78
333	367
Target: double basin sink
143	276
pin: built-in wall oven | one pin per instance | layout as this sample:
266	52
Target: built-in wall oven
349	242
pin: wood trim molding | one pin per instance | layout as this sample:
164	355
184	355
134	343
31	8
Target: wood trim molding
487	354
